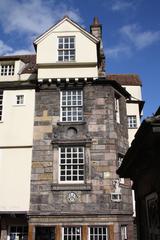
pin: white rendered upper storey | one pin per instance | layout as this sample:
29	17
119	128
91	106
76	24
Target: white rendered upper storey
66	50
133	85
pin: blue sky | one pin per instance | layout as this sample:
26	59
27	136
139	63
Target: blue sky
131	34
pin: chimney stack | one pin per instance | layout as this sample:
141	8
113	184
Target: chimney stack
96	30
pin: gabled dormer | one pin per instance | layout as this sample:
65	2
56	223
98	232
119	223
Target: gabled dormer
66	50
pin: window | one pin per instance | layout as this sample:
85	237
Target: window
116	197
119	162
71	106
1	105
18	232
71	233
19	99
72	164
7	69
98	233
117	109
132	121
66	49
119	159
123	232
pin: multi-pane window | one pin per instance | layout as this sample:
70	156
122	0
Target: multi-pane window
124	232
1	104
72	164
98	233
132	121
71	233
18	232
72	106
66	49
19	99
117	108
7	69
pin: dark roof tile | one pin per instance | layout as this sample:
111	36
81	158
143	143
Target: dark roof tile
125	79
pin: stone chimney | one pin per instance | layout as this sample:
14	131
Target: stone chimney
96	30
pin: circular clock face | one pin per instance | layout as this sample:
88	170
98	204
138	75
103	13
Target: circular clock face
71	197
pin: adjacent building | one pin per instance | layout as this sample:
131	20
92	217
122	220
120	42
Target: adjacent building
141	165
64	132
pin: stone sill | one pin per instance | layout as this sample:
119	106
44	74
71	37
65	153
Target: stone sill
71	123
71	187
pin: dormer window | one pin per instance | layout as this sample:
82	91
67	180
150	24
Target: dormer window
66	49
7	69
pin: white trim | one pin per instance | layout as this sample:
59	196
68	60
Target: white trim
50	30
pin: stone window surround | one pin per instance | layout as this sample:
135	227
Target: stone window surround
59	186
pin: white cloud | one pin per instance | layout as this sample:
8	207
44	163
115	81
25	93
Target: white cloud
4	49
118	51
33	16
121	5
21	52
140	39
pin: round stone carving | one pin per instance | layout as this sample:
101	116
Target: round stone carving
71	197
71	132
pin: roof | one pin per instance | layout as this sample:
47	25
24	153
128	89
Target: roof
29	60
66	18
125	79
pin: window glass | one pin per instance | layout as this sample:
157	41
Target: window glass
72	164
72	106
66	48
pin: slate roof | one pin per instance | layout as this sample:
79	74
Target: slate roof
29	60
125	79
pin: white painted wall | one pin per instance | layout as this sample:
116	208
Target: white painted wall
15	173
135	91
16	127
85	53
67	72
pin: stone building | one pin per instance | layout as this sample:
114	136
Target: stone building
141	164
64	128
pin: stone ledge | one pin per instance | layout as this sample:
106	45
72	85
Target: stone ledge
69	187
71	123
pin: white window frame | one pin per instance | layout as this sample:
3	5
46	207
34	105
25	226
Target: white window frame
123	232
15	234
132	121
1	106
116	197
71	232
66	49
7	69
98	233
117	107
71	105
68	164
119	162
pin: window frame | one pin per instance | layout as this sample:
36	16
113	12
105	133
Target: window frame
123	235
94	236
66	51
119	162
132	121
117	107
1	105
72	169
71	236
71	109
20	103
8	68
16	226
